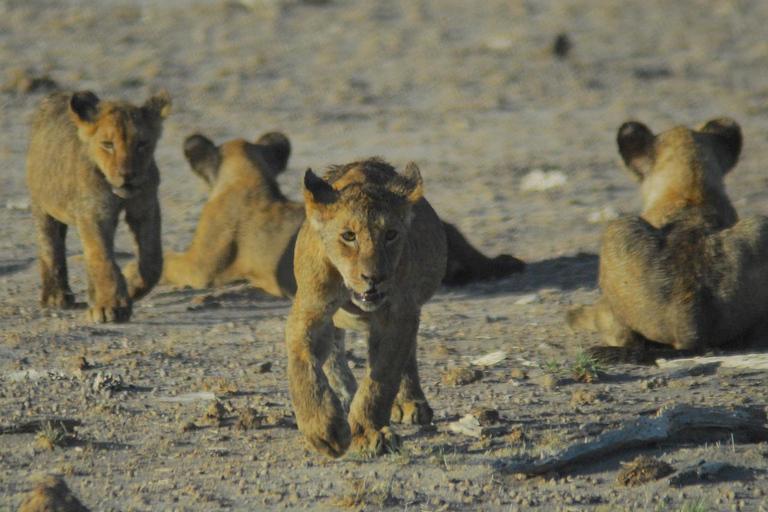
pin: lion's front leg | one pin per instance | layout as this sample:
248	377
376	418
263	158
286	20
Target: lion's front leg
390	345
142	274
411	406
336	368
108	299
319	413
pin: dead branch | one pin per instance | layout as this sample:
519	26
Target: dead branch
743	361
674	423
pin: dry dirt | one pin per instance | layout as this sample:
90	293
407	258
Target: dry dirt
472	92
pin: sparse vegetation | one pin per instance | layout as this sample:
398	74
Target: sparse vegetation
586	368
444	455
50	437
364	492
693	506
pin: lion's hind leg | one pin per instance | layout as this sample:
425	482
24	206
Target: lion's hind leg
51	235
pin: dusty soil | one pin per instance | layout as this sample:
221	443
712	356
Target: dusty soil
471	91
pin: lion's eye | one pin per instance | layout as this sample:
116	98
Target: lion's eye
108	145
390	235
348	236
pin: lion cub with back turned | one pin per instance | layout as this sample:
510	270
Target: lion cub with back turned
371	252
88	161
686	273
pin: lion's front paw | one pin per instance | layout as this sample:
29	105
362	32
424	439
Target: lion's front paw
329	436
57	299
118	310
376	442
416	412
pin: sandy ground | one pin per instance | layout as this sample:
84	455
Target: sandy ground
472	92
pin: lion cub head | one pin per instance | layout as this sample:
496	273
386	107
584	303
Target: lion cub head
362	213
268	155
120	138
682	168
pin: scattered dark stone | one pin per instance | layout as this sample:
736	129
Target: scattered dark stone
264	367
215	414
189	427
643	470
248	419
652	73
562	46
461	376
486	416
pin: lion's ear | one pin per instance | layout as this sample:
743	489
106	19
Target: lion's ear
636	147
159	105
203	157
276	149
84	107
414	186
726	134
318	193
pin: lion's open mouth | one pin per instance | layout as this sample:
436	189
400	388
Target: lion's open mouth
369	300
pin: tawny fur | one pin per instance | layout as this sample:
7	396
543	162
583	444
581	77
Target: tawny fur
371	252
685	273
247	229
88	162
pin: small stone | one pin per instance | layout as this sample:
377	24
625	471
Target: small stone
248	419
518	374
189	427
461	376
549	380
263	367
561	46
486	416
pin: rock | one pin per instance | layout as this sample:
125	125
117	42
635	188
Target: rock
486	416
539	181
643	470
561	46
461	376
248	419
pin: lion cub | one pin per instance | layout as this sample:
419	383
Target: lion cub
248	227
686	273
88	161
371	252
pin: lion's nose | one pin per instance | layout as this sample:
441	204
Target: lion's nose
373	279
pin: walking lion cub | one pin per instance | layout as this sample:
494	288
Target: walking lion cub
370	253
685	273
90	160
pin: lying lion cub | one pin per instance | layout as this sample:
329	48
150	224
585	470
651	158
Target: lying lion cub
89	161
371	252
247	228
687	272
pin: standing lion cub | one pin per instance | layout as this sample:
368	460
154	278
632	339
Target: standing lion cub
370	253
90	160
686	272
